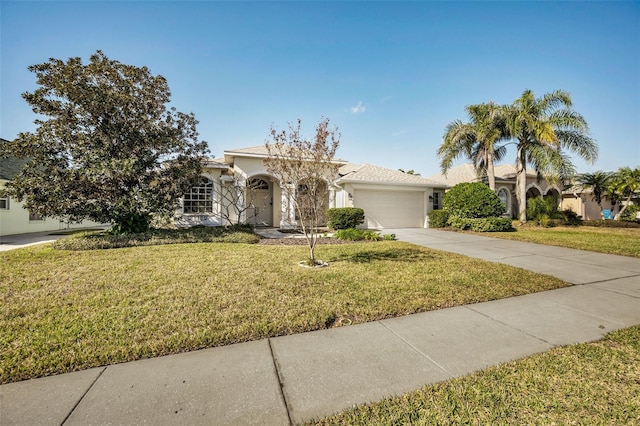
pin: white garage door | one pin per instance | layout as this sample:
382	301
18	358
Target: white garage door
391	209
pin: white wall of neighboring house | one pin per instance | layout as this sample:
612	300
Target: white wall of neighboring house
14	219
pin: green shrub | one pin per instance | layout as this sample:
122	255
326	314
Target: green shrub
353	234
629	213
438	218
388	237
135	223
344	217
472	200
542	210
571	218
484	224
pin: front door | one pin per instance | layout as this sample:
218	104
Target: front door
259	203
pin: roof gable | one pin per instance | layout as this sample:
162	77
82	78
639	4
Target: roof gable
259	151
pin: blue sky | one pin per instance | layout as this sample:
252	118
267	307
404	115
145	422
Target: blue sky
390	75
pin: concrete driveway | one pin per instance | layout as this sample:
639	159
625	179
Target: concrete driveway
573	266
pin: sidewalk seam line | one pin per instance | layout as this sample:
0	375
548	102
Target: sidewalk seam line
82	397
510	326
609	279
452	376
280	382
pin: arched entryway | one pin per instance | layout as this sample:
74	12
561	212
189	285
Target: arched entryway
533	192
259	201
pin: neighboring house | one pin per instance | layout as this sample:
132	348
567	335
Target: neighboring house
505	178
14	218
389	198
580	200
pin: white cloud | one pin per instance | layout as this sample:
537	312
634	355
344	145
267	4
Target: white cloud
358	109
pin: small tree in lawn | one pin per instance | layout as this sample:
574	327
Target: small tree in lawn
304	167
108	149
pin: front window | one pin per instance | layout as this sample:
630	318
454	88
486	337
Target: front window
4	203
35	216
437	201
199	199
503	194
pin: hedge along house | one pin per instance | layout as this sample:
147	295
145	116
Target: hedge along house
237	188
505	178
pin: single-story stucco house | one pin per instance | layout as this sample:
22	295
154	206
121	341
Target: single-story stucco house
389	198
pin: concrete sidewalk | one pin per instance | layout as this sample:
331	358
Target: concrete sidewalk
297	378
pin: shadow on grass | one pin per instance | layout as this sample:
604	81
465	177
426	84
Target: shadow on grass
396	255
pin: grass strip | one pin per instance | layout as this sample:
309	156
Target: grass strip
620	241
63	310
593	383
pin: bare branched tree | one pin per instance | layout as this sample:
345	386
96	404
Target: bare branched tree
304	168
239	201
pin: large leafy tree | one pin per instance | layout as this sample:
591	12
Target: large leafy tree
545	128
305	167
478	140
626	184
599	182
107	148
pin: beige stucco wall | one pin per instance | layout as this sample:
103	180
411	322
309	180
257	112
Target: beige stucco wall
585	206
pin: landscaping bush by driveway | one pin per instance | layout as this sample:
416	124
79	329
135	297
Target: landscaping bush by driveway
71	310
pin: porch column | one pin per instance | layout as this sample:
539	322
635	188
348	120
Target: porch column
288	208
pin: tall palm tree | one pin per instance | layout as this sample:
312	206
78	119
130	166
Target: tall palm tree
626	183
476	140
599	183
544	127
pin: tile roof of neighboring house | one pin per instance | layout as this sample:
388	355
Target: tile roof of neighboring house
368	173
466	173
455	175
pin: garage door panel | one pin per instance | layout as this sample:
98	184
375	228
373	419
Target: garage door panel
391	209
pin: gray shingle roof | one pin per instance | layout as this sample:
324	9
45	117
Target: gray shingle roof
10	166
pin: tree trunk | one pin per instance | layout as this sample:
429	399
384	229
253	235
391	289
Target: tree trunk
491	175
619	214
521	184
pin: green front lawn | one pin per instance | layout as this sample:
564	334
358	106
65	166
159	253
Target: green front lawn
67	310
592	384
621	241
